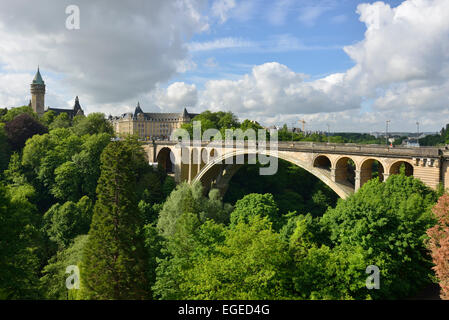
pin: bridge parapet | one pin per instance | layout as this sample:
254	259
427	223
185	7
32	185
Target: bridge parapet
314	147
430	164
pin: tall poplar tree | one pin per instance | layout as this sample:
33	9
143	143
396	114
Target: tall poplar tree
115	261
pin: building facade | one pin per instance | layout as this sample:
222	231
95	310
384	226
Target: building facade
37	102
71	113
150	126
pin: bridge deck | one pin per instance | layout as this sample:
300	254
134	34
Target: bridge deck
336	148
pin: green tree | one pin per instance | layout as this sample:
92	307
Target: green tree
88	162
53	281
61	121
168	186
14	112
48	118
214	120
67	185
324	273
3	111
115	261
63	223
4	149
248	124
389	221
255	204
63	165
94	123
18	263
252	263
188	198
189	240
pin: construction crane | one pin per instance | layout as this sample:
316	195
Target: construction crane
303	125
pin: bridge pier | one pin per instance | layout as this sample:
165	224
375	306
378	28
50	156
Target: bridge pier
357	180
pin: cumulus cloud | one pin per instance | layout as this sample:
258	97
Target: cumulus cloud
400	72
178	95
403	62
12	93
273	88
122	50
401	66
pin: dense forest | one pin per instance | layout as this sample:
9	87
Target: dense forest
70	195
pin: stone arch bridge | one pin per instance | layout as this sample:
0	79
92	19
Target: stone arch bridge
343	167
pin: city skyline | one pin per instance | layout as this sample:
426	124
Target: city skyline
351	65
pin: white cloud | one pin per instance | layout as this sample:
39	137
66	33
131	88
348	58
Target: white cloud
222	43
15	91
273	43
272	88
402	66
177	96
221	8
242	11
122	50
12	91
403	62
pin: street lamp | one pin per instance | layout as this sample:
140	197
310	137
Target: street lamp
386	130
328	133
417	130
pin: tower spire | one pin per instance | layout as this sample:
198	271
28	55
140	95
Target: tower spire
38	93
138	110
38	78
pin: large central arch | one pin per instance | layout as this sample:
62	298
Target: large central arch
218	168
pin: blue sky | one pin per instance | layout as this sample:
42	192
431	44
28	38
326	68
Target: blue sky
307	36
352	65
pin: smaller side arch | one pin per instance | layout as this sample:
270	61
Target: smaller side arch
395	168
165	159
322	162
345	171
371	168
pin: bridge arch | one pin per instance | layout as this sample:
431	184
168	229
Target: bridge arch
208	173
396	166
368	167
323	162
345	168
164	159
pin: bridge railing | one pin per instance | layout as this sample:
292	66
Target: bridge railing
320	147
